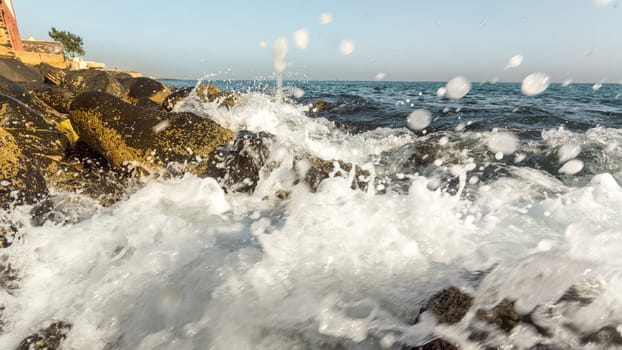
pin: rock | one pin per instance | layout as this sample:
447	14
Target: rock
124	134
49	338
237	167
52	75
436	344
36	136
53	96
608	335
450	305
205	92
504	316
321	106
10	88
82	81
320	170
19	72
146	88
20	180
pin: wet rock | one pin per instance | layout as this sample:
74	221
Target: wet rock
54	96
19	72
205	92
608	335
146	88
125	134
82	81
436	344
36	136
504	316
52	75
237	167
8	277
450	305
49	338
20	180
322	106
320	170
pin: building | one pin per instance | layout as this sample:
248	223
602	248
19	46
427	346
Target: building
10	40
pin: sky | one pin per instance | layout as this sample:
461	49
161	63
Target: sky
404	40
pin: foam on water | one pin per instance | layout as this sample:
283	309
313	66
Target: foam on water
183	265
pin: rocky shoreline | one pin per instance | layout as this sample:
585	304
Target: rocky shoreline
100	135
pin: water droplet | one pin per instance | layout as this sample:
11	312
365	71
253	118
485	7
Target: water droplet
279	52
571	167
346	47
514	61
597	86
298	92
566	82
419	119
441	91
458	87
535	84
604	3
301	38
503	142
380	76
326	18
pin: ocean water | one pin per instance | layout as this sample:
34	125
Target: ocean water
501	195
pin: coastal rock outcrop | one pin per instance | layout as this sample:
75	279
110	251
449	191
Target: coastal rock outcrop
146	88
20	180
126	134
205	92
18	72
82	81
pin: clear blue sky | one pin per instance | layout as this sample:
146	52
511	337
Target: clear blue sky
407	39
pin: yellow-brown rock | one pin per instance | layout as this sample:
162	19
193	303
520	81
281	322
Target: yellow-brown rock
20	181
36	136
205	92
146	88
125	134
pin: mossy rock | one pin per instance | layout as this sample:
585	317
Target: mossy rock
36	136
205	92
321	170
54	96
237	167
125	134
49	338
450	305
17	71
20	180
82	81
146	88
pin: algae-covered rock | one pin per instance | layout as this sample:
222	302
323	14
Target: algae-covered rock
19	72
49	338
237	167
20	180
320	169
450	305
36	136
124	133
205	92
146	88
82	81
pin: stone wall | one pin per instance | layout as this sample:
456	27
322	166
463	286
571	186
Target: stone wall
34	58
43	46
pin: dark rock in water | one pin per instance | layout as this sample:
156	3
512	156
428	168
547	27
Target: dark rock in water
322	106
608	335
49	338
82	81
323	169
20	180
141	88
238	167
205	92
450	305
125	134
15	70
8	277
504	316
36	136
436	344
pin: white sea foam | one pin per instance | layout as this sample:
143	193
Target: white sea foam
182	264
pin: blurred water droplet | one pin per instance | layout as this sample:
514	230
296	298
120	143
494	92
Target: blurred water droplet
301	38
326	18
535	84
503	142
514	61
458	87
571	167
346	47
419	119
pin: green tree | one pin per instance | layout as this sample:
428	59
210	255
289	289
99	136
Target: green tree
71	42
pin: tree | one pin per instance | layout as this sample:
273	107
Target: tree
71	42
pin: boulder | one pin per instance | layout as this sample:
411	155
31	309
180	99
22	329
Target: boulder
54	96
320	169
82	81
15	70
205	92
36	136
146	88
450	305
19	92
20	180
124	134
237	167
48	338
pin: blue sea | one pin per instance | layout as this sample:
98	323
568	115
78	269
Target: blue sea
501	195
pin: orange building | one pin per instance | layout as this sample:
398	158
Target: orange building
10	40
